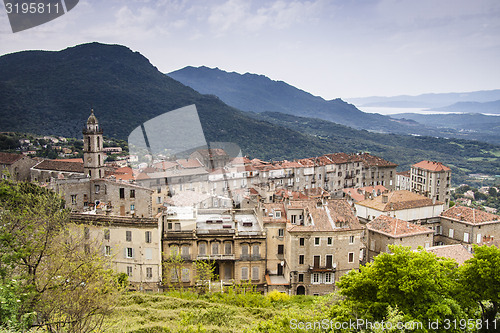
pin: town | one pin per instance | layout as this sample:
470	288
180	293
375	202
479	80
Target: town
291	226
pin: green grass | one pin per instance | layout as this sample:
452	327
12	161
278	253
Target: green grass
189	312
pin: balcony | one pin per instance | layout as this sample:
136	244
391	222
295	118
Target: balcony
324	268
215	257
247	257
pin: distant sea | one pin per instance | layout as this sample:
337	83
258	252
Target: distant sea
388	111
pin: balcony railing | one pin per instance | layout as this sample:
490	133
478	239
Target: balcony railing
215	257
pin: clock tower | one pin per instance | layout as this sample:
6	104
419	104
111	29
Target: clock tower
93	156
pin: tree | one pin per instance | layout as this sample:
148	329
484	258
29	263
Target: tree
173	270
63	280
480	278
205	272
420	285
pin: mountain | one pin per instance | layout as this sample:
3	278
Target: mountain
258	93
52	92
473	107
427	100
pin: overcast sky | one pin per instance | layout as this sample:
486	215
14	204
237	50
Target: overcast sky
329	48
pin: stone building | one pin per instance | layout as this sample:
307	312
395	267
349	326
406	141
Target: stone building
47	170
385	230
404	205
232	239
132	244
466	225
93	154
432	179
16	165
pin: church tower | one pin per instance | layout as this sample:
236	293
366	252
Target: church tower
93	156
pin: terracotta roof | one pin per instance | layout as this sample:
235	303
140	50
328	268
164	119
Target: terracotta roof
371	160
56	165
458	252
404	173
470	215
393	227
398	200
124	173
271	208
7	158
165	165
142	176
431	166
189	163
76	160
240	160
340	158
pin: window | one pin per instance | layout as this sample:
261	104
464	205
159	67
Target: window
329	240
255	250
244	250
316	241
148	236
301	277
281	232
128	236
328	277
86	233
73	199
351	239
174	275
148	253
177	227
132	207
317	261
301	259
277	214
329	261
107	250
315	278
301	241
244	273
122	193
129	252
281	249
106	234
351	257
478	239
158	200
227	248
185	251
149	272
202	248
132	193
293	219
215	248
129	271
451	233
466	237
169	226
185	275
255	273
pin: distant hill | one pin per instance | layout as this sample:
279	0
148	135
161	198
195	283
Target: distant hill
427	100
258	93
52	92
473	107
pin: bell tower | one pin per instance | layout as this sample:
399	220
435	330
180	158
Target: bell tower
93	156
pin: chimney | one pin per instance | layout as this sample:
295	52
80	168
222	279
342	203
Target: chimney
385	198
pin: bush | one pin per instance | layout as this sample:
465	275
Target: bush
276	296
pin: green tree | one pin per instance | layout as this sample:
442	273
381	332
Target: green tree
205	272
421	286
63	281
480	279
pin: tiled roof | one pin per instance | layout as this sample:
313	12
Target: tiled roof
340	158
398	200
56	165
394	227
77	160
371	160
455	251
7	158
431	166
404	173
212	152
165	165
270	209
190	163
470	215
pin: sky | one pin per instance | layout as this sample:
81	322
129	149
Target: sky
333	49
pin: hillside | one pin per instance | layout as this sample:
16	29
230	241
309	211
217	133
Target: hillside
473	107
428	100
52	92
258	93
